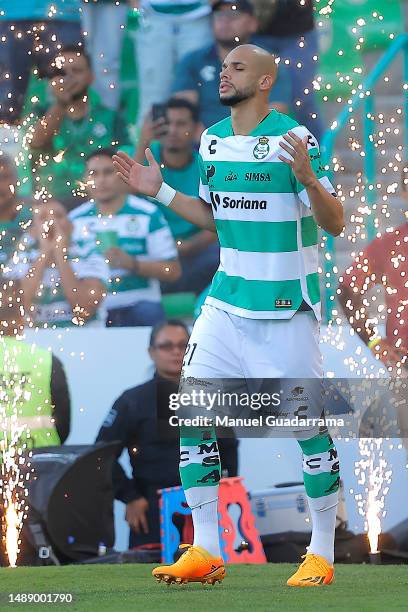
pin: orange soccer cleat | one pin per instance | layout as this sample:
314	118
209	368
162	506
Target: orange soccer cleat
314	571
194	565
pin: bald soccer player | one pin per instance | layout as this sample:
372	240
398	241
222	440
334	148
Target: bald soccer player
265	192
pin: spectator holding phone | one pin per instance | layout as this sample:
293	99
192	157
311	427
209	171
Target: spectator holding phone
170	134
74	125
134	238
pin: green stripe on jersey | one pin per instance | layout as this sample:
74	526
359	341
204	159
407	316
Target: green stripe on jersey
308	228
274	124
254	177
255	294
127	283
261	237
313	287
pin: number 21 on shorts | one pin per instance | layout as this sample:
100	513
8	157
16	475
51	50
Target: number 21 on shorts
188	355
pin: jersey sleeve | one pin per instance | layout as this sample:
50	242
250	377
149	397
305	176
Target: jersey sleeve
203	190
316	163
160	241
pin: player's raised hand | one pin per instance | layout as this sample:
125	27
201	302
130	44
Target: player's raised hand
300	162
142	179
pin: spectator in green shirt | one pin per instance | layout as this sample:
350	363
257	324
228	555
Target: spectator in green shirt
75	124
132	235
15	215
174	149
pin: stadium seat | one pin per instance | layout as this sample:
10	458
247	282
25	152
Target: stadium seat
373	21
129	101
179	305
340	63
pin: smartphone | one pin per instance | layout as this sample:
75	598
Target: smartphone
159	111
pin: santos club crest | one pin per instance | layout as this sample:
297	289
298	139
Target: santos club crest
261	149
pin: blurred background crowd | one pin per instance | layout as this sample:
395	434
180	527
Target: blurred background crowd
81	79
78	81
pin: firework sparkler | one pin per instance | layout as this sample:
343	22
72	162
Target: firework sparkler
13	491
374	475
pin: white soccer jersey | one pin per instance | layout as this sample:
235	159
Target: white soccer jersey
267	232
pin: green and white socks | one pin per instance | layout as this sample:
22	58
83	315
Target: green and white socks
321	475
200	473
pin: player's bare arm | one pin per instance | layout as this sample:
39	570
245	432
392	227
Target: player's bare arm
148	180
354	305
327	210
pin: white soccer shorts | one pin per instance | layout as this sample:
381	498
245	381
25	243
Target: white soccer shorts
260	355
223	345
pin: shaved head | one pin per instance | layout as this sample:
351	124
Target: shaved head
248	71
259	59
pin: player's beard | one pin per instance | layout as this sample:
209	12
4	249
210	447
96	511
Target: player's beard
238	96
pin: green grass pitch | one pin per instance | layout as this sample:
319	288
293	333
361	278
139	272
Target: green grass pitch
253	588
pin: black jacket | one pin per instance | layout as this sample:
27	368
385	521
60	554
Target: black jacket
288	18
60	399
139	421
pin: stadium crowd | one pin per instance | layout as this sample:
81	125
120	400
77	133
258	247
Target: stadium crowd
80	248
76	248
85	250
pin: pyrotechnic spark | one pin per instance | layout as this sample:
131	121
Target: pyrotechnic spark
326	10
12	456
360	213
374	476
59	156
12	534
